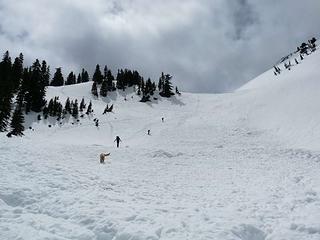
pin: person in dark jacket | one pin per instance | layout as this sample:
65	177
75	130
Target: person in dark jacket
118	140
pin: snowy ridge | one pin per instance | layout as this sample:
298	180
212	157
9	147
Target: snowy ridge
288	103
236	166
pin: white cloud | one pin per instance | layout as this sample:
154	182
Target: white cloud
213	45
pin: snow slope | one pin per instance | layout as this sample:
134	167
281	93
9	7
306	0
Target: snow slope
289	103
226	167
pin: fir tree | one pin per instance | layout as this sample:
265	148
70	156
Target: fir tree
167	87
120	79
161	82
67	106
84	76
89	109
104	88
75	109
110	79
79	79
71	79
45	72
82	105
17	71
6	91
57	78
94	89
36	87
17	121
97	76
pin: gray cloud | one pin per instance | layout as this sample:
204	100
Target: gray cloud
208	45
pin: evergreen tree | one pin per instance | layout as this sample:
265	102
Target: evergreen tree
120	79
37	87
167	87
94	89
79	79
104	88
75	109
97	76
110	79
45	72
6	91
17	71
67	106
57	78
161	82
82	105
71	79
17	121
105	71
26	94
84	76
89	109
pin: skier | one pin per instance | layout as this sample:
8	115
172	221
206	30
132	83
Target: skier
118	140
162	119
149	132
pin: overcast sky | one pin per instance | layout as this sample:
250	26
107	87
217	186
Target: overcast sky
207	45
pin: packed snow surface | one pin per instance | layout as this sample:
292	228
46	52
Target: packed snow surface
237	166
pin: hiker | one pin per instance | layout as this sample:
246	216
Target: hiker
118	140
149	132
162	119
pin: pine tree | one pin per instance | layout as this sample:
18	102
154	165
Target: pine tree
161	82
57	78
120	79
104	89
6	91
79	79
97	76
17	121
67	106
84	76
17	71
94	89
75	109
82	105
45	72
167	87
37	87
110	79
89	109
71	79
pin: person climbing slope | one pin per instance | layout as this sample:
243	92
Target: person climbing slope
118	140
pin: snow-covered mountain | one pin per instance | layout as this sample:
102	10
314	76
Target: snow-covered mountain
236	166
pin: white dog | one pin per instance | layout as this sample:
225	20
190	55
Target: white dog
103	157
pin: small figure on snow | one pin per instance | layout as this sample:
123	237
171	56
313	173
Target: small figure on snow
162	119
96	122
118	140
149	132
103	157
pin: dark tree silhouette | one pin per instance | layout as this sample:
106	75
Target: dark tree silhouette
57	78
97	76
94	89
167	86
17	121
